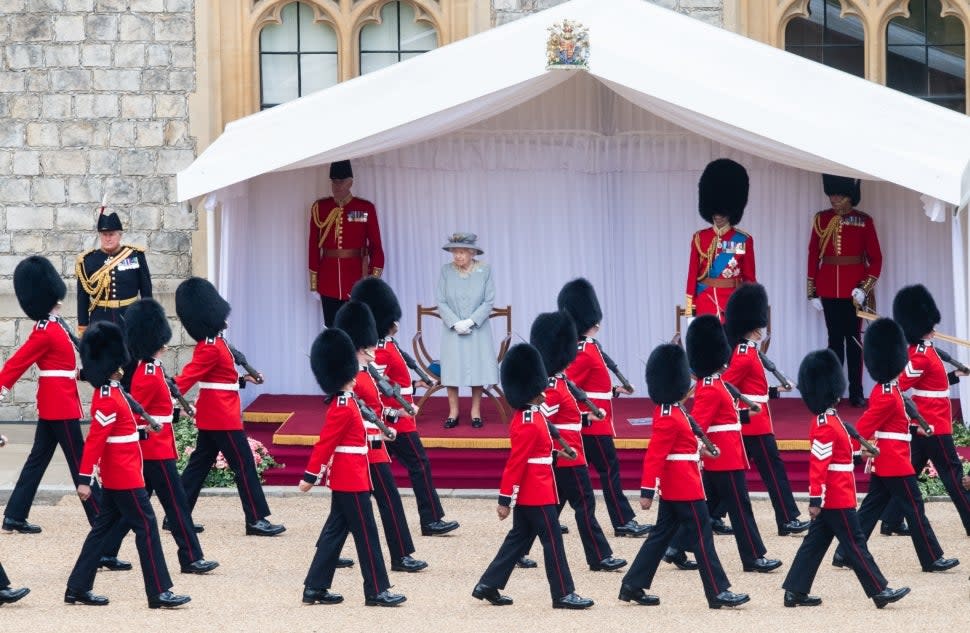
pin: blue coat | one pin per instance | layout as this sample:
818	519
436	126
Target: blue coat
467	359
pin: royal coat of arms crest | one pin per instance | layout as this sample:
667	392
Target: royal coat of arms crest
568	46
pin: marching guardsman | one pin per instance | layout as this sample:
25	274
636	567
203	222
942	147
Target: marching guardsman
345	242
722	256
9	595
844	262
389	360
218	416
893	476
578	299
112	447
831	491
745	317
553	334
529	482
356	320
110	278
670	467
147	332
339	459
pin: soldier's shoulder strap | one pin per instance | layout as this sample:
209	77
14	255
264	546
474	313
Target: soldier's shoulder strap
80	258
137	249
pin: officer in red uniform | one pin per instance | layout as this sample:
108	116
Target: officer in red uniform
530	470
831	491
389	359
721	257
746	315
345	242
217	412
671	467
578	299
112	447
339	458
893	476
9	595
844	262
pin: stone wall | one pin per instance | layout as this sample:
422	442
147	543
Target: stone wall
93	101
710	11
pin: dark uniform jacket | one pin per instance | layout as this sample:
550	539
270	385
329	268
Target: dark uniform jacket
107	285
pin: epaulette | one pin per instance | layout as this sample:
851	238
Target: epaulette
42	324
150	369
137	249
105	391
342	401
921	348
381	343
552	382
665	409
744	233
211	340
887	387
80	258
709	381
527	417
742	348
581	346
821	419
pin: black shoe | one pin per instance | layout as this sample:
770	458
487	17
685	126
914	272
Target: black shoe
526	563
609	564
408	564
679	559
264	528
728	599
85	597
451	423
384	599
323	596
572	601
888	595
9	596
477	423
484	592
718	526
797	599
201	566
437	528
763	565
197	526
343	563
943	564
635	594
113	563
794	526
13	525
564	528
858	401
897	530
632	528
168	600
839	561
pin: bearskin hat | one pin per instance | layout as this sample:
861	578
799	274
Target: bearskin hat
884	350
723	190
842	186
146	328
103	352
38	287
333	360
200	308
340	169
523	375
578	298
379	297
820	380
916	312
356	320
668	377
554	335
707	347
747	310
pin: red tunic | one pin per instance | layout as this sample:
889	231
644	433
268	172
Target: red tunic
51	349
886	420
366	390
528	472
149	389
672	463
342	446
112	443
831	480
212	366
715	411
561	408
854	236
732	257
927	377
388	359
354	227
590	374
746	372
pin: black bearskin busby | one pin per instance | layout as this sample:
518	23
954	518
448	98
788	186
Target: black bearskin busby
200	308
747	310
554	335
356	320
884	350
333	360
146	329
38	287
578	299
668	376
103	352
340	169
842	186
723	190
820	380
916	312
523	375
707	347
381	300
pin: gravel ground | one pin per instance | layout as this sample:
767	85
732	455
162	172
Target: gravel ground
258	586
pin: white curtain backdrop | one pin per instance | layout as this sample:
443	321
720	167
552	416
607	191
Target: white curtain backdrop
577	182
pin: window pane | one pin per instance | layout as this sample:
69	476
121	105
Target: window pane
280	37
905	70
849	59
315	37
383	36
318	72
373	61
934	73
825	37
279	77
416	36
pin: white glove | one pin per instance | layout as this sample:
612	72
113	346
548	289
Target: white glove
690	320
459	328
464	326
816	303
859	296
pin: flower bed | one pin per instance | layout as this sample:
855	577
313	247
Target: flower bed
220	476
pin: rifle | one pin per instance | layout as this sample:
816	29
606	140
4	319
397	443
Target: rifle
581	396
175	392
390	390
946	358
700	434
854	434
566	449
369	416
777	373
409	361
753	406
611	364
240	359
913	412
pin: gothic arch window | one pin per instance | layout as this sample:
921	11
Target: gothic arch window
297	56
828	38
399	35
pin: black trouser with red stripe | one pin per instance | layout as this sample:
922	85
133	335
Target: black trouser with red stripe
396	530
133	508
528	522
763	451
407	448
906	491
350	513
731	488
48	435
601	453
845	339
235	448
689	521
161	476
842	524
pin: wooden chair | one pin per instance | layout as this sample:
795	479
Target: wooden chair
424	358
680	314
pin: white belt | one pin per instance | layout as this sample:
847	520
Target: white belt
57	373
163	419
371	425
886	435
924	393
407	391
123	439
356	450
569	427
753	398
599	395
845	468
540	460
683	457
724	427
221	386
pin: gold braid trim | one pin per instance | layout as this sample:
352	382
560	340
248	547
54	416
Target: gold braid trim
334	222
98	285
708	258
825	235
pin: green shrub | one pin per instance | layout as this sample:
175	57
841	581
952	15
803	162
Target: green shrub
220	476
